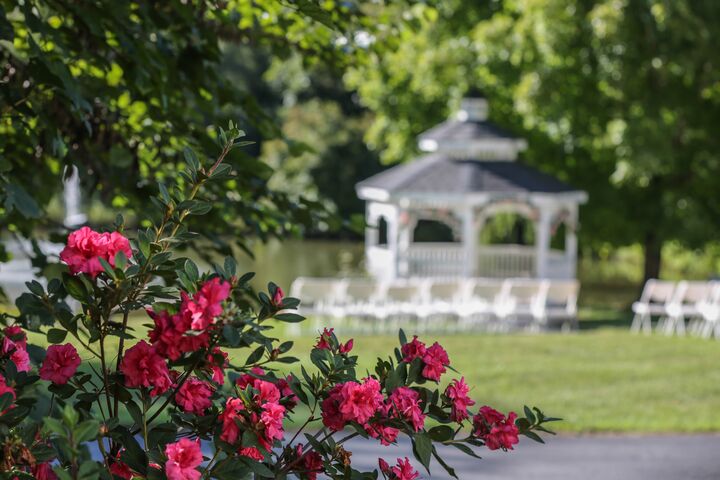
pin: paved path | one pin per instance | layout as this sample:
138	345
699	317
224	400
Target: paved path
606	457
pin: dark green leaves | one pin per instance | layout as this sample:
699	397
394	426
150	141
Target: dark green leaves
422	448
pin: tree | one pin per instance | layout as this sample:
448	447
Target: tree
117	89
619	98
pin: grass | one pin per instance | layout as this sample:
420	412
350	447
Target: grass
605	380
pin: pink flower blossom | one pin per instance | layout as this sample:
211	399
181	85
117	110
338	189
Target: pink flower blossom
311	463
290	399
194	396
143	367
412	350
17	335
230	429
218	366
351	402
405	403
347	347
85	247
120	469
272	419
252	452
435	360
170	338
387	435
184	457
61	363
457	392
5	388
278	297
404	470
43	471
496	430
205	305
323	342
17	351
330	409
246	379
360	401
384	466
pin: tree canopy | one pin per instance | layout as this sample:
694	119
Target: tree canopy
118	89
620	98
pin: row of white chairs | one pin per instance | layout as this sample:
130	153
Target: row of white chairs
492	304
680	307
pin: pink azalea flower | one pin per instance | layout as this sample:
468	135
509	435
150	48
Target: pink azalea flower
43	471
143	367
61	363
283	384
360	401
435	360
457	392
311	463
230	429
405	403
85	246
194	396
272	417
205	305
323	342
184	457
345	349
252	452
404	470
412	350
278	297
217	367
496	430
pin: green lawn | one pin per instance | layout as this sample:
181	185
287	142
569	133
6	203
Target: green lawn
597	380
604	380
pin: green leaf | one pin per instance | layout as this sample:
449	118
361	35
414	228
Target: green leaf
191	270
289	317
6	399
75	287
56	335
231	335
422	448
255	355
441	433
529	414
16	198
533	436
86	431
230	266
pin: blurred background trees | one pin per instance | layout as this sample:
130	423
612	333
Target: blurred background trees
617	97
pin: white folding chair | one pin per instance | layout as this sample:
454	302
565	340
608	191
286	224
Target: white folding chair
654	300
359	298
481	299
684	305
521	302
560	305
399	303
710	314
440	299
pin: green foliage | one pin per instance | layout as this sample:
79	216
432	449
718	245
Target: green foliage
117	90
618	98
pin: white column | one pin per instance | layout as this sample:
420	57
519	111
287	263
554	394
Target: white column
542	241
571	244
469	239
371	230
404	236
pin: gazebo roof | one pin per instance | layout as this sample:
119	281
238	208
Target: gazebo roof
439	173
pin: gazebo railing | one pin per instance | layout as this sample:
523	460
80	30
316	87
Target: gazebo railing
506	261
436	260
494	261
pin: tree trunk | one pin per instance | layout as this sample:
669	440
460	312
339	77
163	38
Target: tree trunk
653	256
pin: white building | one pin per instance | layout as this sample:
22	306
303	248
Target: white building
468	174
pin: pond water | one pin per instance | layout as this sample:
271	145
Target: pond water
283	262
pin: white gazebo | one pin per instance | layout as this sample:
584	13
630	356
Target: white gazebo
468	174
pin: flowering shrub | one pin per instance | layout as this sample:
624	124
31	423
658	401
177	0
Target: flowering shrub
112	400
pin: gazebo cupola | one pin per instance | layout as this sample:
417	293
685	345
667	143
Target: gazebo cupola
468	173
